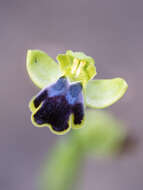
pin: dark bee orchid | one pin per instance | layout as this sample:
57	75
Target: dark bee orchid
67	89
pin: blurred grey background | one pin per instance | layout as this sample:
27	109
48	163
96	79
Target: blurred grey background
111	31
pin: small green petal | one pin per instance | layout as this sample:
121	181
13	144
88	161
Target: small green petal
42	69
103	93
65	62
80	56
77	66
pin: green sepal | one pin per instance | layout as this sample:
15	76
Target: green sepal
42	69
103	93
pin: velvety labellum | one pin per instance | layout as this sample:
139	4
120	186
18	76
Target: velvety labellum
55	104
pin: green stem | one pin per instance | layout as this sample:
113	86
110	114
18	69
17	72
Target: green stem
61	173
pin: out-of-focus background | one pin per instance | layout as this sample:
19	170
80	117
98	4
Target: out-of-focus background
111	31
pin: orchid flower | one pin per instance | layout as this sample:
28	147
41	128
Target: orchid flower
67	88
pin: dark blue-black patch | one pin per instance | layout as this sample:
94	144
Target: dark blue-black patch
78	111
54	111
41	97
57	108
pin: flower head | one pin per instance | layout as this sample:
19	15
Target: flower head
67	89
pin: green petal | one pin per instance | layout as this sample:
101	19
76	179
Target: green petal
80	56
90	68
42	69
103	93
77	66
65	62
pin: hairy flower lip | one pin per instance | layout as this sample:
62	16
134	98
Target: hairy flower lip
55	104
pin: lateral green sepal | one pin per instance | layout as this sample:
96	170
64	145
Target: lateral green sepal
42	69
103	93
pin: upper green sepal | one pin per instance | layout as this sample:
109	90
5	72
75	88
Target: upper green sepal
42	69
77	66
103	93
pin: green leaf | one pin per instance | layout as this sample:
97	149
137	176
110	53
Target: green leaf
103	93
42	69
